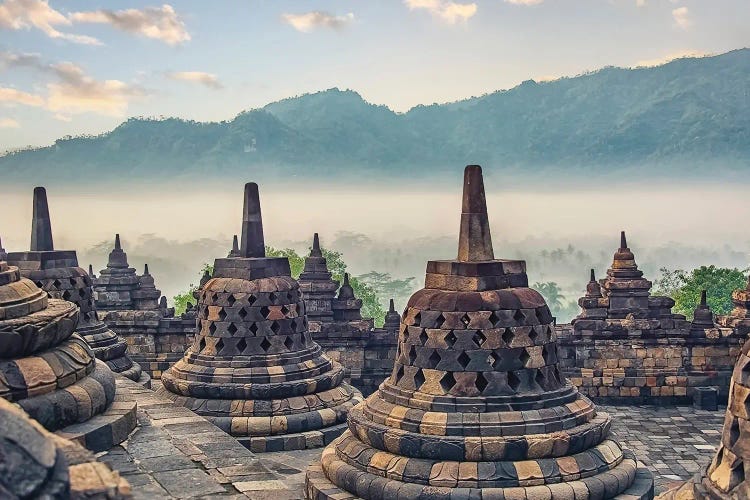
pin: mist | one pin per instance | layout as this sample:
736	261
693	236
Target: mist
560	232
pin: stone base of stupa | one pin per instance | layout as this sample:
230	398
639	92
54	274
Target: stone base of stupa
388	476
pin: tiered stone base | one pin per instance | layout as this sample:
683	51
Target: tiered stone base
108	347
106	430
371	487
294	441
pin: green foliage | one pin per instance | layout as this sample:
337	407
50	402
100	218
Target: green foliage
388	287
181	300
561	309
296	262
685	287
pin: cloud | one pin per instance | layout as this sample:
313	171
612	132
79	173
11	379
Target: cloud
527	2
208	79
9	123
649	63
27	14
72	91
160	23
63	118
447	11
317	19
14	96
682	18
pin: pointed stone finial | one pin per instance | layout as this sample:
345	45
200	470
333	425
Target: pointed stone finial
41	226
91	270
316	252
623	241
474	241
145	270
117	242
235	245
252	243
391	307
703	298
346	279
593	276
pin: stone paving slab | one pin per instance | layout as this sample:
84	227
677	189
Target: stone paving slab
174	453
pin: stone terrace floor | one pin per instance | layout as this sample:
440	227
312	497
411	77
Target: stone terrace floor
174	453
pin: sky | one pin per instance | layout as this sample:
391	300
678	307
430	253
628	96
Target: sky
83	67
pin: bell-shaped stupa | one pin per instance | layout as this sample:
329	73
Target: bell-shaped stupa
254	369
476	406
57	273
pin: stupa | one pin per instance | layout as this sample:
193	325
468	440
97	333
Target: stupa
49	370
254	369
317	285
726	477
703	318
621	305
118	287
57	273
37	464
392	318
475	406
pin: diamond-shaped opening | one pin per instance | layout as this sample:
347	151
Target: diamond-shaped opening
433	360
289	296
507	336
524	357
447	382
533	334
272	297
231	300
219	345
82	292
265	344
202	344
463	359
493	359
545	354
215	297
289	343
72	281
519	316
493	319
275	327
540	379
513	381
66	294
481	382
465	319
254	328
418	379
212	328
439	321
450	339
39	284
242	313
222	314
412	355
417	319
734	432
423	337
241	345
284	310
251	299
232	328
56	283
399	374
264	311
293	325
479	338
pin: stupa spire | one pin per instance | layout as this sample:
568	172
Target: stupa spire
145	270
593	276
41	227
474	241
703	298
623	241
316	252
253	244
391	307
117	242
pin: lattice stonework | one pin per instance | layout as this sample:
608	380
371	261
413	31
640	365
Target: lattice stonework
254	369
476	406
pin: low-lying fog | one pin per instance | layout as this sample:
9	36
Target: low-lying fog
560	233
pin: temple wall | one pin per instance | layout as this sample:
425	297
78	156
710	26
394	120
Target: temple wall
647	370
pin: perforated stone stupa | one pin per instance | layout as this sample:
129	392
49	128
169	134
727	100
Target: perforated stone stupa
475	406
57	273
254	369
728	475
49	370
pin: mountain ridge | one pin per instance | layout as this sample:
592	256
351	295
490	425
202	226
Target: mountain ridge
676	117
